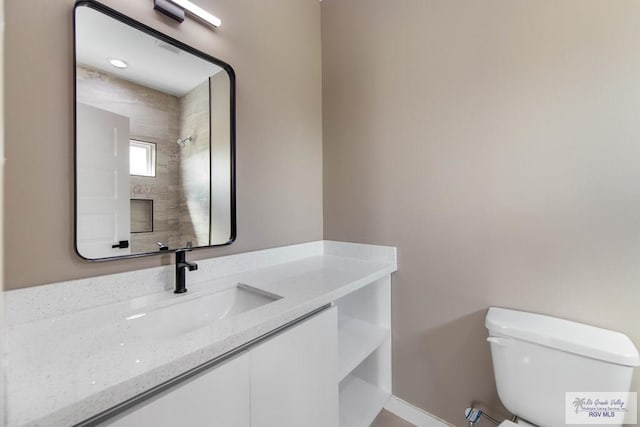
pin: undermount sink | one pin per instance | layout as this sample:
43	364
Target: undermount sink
185	316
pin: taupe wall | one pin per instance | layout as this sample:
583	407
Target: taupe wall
274	48
497	144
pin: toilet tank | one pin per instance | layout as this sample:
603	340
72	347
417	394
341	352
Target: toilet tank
536	359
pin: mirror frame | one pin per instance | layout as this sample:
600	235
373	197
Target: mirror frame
232	125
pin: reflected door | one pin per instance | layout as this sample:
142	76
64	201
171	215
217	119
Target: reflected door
102	183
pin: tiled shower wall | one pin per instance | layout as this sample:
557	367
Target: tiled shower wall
195	167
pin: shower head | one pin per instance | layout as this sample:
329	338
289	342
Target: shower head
182	141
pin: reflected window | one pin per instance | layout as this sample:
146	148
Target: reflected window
142	158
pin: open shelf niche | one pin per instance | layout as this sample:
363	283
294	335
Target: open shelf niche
364	353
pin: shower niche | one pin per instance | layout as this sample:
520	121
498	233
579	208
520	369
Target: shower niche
154	140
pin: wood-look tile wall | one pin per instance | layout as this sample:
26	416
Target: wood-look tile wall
195	167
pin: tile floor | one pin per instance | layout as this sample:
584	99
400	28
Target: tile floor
387	419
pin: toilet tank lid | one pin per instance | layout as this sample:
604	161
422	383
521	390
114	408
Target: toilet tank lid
572	337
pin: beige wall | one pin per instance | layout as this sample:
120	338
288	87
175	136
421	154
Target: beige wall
497	144
275	51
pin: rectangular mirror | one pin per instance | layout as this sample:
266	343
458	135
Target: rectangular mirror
154	122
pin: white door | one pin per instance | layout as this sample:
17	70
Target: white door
103	201
216	398
294	376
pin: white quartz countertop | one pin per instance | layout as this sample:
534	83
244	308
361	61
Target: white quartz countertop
73	350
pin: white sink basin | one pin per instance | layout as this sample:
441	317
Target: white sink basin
190	314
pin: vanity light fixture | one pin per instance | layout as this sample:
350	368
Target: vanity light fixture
118	63
176	9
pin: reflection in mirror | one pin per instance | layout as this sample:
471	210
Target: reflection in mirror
154	140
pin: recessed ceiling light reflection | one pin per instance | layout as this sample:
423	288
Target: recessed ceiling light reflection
118	63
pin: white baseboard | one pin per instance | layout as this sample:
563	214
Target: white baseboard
413	414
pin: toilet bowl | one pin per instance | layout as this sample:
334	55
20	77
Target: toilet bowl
538	359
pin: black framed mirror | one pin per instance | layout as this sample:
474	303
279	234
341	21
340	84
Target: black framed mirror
154	121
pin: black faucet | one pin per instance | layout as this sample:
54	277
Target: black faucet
181	265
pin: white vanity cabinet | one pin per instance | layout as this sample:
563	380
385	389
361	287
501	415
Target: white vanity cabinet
217	397
287	380
287	363
294	376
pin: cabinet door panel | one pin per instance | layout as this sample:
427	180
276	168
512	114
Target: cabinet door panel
294	376
218	397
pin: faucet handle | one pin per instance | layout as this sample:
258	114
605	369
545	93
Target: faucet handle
181	255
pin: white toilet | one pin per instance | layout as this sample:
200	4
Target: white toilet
538	358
